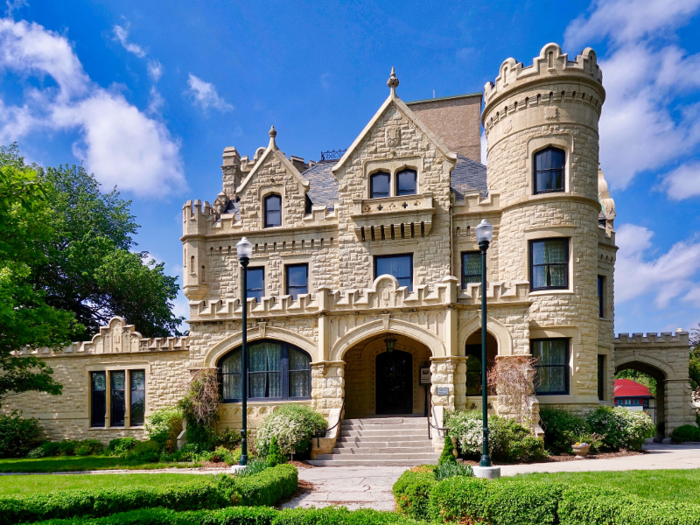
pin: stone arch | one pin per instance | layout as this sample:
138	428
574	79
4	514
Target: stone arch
495	328
280	334
368	330
642	362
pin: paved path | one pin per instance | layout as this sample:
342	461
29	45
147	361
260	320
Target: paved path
370	487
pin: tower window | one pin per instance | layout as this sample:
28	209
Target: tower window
549	170
601	296
379	185
273	211
552	366
406	182
549	264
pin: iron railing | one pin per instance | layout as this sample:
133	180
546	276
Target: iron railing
318	435
335	154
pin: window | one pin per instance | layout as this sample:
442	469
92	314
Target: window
552	366
277	371
549	170
297	279
400	266
273	211
256	283
406	182
137	381
549	264
98	399
379	185
473	353
117	400
308	205
601	377
601	296
471	268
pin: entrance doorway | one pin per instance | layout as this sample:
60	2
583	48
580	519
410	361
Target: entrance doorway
394	383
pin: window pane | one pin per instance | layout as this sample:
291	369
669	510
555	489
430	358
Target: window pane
379	185
273	211
98	398
256	283
138	397
471	268
297	280
299	384
400	266
264	358
117	400
232	386
406	182
549	159
298	360
557	275
552	365
550	264
601	296
549	170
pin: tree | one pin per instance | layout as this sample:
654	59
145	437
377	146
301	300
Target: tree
26	320
694	371
90	265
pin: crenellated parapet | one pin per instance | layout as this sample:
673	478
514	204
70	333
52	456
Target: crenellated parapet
653	339
117	337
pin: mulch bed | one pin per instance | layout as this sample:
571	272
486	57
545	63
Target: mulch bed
567	457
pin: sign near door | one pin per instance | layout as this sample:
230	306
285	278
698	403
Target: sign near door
425	376
443	391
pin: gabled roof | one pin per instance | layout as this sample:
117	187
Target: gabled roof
408	113
272	149
629	388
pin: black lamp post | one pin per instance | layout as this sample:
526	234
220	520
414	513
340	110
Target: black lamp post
245	250
484	234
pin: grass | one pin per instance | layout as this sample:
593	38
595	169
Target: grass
27	485
76	463
661	485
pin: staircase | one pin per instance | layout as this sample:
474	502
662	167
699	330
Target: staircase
386	441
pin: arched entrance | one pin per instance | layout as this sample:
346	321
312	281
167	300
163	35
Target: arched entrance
380	383
394	380
659	410
472	351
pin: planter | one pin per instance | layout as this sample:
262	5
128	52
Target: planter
580	450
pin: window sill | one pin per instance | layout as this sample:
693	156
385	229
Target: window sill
271	401
551	292
141	427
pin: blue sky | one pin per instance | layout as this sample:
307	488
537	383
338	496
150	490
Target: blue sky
148	94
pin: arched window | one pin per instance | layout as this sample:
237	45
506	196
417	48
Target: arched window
276	370
273	211
379	185
549	170
406	182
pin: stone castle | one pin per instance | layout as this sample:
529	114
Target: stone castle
364	291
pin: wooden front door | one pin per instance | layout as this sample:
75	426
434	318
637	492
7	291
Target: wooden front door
394	383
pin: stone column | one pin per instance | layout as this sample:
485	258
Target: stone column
327	385
448	381
679	409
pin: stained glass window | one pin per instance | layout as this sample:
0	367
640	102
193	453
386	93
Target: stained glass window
137	411
98	398
117	401
471	268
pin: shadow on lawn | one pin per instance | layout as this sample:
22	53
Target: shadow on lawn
81	463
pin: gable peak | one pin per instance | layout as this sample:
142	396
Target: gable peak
273	134
393	82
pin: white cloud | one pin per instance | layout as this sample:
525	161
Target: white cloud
14	5
642	77
667	276
121	34
155	70
683	182
117	141
205	95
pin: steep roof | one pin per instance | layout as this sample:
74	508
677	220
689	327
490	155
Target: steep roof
629	388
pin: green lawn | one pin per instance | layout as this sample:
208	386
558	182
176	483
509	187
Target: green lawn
73	463
664	485
13	485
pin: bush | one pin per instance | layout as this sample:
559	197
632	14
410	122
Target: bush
229	439
145	452
50	448
293	426
412	491
222	455
455	498
36	453
274	456
447	455
120	446
685	433
265	488
523	502
638	427
67	447
89	447
561	429
620	428
18	435
164	426
449	470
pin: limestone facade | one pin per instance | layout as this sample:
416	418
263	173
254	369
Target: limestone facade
348	314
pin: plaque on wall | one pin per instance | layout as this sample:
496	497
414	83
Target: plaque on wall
443	391
425	375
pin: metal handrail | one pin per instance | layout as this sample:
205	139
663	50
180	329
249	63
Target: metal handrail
430	425
318	436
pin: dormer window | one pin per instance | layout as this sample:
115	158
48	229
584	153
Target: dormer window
549	170
406	182
379	185
273	211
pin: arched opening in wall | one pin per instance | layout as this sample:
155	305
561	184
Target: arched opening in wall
656	408
472	351
380	383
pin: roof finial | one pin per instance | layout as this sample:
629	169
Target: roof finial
273	134
393	82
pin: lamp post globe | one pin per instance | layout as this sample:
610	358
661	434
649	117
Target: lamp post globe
244	249
484	234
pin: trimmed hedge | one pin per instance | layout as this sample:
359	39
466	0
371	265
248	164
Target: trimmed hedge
412	491
685	433
246	516
264	488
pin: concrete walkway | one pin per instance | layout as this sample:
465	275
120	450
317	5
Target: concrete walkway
370	487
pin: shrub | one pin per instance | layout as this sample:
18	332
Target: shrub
222	454
638	427
164	425
229	439
36	453
561	428
18	435
274	456
447	455
412	492
523	502
685	433
50	448
293	426
455	498
89	447
200	408
449	470
254	466
467	428
610	424
67	447
120	446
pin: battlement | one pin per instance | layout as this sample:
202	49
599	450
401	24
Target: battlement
115	338
653	338
551	64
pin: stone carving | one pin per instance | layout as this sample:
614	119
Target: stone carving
393	137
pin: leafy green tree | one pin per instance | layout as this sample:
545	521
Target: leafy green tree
695	358
90	265
26	320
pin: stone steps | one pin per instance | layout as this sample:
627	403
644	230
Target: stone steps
391	441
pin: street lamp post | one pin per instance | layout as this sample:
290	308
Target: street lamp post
484	234
244	248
